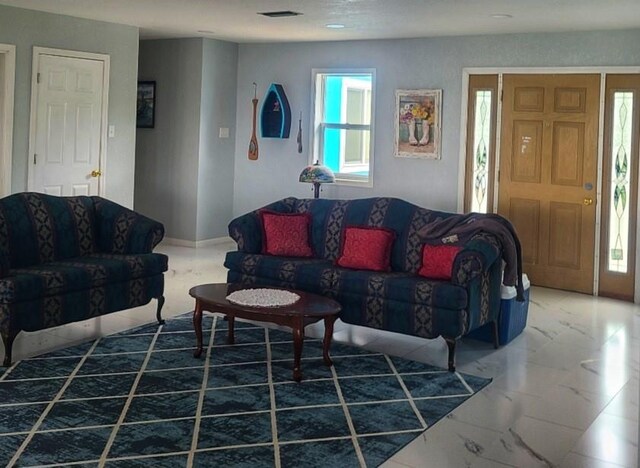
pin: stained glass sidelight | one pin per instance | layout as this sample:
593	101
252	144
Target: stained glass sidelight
481	141
617	259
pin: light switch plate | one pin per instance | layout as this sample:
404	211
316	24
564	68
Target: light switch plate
112	131
224	132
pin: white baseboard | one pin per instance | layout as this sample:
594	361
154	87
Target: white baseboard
196	244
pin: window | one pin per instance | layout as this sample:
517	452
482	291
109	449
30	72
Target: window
342	125
618	253
620	187
481	137
481	145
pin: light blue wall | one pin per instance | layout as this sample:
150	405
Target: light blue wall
26	29
184	171
400	64
218	109
167	155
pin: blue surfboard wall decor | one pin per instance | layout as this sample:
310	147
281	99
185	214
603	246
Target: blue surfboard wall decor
275	116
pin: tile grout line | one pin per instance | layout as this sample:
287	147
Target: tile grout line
345	409
170	369
51	404
55	465
213	416
8	371
229	447
201	395
125	408
464	382
272	403
207	368
406	391
75	356
348	437
443	397
166	350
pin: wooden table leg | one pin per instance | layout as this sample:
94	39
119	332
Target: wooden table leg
298	339
328	335
197	326
231	336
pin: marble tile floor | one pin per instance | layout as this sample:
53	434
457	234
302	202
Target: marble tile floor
565	392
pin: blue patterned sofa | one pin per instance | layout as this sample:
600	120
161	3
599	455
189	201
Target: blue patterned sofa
398	301
66	259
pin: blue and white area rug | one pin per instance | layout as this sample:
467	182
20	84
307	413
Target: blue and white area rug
140	398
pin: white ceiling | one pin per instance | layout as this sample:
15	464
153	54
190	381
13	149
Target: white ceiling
238	21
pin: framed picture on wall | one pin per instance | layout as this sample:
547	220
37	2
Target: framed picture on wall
146	106
417	123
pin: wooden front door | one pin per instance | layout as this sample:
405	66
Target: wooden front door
548	174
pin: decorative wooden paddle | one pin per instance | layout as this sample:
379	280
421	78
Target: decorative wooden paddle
299	139
253	144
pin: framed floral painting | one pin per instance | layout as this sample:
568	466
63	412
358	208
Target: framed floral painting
417	123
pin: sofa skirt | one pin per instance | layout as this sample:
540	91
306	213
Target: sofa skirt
76	306
418	319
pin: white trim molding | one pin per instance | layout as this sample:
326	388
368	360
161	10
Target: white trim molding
196	244
6	116
106	59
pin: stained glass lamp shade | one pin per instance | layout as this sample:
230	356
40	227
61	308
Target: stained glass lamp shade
317	175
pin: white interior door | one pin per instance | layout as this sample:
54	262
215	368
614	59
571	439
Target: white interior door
68	126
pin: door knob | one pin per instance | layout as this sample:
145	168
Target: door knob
97	173
587	201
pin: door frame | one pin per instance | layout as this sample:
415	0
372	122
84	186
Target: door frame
6	151
500	71
104	120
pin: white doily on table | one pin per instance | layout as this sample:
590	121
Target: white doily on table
263	297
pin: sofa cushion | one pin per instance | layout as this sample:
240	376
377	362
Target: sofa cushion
36	228
321	277
299	273
286	234
77	274
366	248
437	261
402	287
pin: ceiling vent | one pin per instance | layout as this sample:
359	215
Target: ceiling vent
280	14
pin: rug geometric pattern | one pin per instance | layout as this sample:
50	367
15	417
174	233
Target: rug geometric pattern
139	398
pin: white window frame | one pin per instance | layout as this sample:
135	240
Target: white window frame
317	127
349	84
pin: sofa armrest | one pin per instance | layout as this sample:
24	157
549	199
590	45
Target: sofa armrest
476	257
246	230
4	263
123	231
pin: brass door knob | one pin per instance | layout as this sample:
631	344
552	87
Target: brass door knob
587	201
96	173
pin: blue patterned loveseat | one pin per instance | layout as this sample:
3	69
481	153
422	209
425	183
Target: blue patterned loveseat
66	259
398	301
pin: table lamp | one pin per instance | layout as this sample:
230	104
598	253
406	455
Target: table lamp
317	175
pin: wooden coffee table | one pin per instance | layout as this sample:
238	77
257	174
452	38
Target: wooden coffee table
310	308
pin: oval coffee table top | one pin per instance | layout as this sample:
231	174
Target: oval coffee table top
309	304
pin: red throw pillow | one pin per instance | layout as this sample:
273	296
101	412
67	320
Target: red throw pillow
437	261
366	248
286	234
